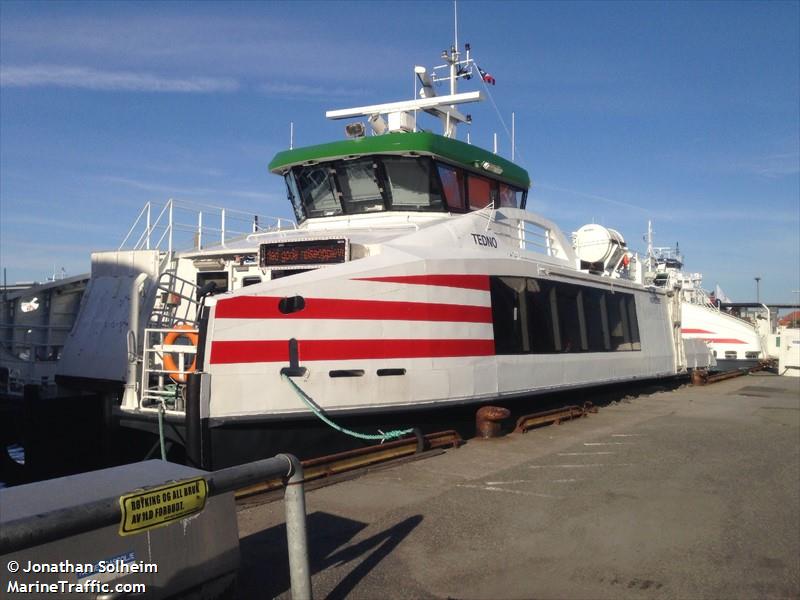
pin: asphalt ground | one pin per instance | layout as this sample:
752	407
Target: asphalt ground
689	493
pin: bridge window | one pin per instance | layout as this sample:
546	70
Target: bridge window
510	196
411	184
317	191
480	191
453	187
360	189
401	183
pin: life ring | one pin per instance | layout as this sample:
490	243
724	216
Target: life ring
170	366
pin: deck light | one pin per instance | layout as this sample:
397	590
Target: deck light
487	166
355	130
377	123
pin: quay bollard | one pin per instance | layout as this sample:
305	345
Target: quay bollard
487	421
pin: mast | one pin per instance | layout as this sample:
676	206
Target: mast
402	116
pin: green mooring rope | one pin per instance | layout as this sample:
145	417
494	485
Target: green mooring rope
383	436
161	430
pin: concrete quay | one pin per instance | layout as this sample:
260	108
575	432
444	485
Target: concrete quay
690	493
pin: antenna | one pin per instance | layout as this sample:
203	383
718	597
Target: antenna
455	27
291	135
513	142
495	142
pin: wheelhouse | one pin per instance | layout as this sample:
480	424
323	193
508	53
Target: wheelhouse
409	172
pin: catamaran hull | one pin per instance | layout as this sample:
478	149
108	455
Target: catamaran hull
416	334
734	342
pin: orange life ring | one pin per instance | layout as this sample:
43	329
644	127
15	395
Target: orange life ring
170	366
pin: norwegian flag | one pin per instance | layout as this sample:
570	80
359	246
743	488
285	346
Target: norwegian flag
487	77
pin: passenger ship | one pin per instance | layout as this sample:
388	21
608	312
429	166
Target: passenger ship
734	342
415	278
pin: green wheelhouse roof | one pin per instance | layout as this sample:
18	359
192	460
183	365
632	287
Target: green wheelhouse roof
421	143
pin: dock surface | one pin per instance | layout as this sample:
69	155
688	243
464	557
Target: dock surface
690	493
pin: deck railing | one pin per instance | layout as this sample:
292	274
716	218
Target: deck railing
181	225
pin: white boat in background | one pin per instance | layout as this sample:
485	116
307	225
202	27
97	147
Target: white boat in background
734	341
35	320
414	279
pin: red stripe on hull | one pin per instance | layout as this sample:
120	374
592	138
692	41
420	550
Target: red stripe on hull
725	340
468	282
266	307
695	331
314	350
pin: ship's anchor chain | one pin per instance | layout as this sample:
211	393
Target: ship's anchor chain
383	436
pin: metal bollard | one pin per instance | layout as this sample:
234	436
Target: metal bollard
296	537
487	421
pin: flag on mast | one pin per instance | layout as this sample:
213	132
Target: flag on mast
487	77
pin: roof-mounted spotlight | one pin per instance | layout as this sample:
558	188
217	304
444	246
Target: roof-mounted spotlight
377	124
355	130
444	54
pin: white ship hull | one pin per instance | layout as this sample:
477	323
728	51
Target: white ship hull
734	342
416	326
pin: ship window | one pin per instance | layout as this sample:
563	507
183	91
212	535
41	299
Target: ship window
250	281
618	325
510	196
615	331
570	315
597	338
411	184
539	302
212	282
316	188
633	322
358	182
507	314
453	187
545	317
480	192
294	197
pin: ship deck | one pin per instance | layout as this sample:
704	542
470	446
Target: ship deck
693	492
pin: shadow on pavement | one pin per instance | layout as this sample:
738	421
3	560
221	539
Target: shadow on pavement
264	570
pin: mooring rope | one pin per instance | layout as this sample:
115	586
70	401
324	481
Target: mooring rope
161	430
383	436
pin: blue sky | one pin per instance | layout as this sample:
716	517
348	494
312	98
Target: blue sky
684	113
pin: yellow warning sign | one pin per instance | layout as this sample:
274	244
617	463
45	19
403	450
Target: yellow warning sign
161	505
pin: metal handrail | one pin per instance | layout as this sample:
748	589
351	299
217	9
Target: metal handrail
40	529
162	232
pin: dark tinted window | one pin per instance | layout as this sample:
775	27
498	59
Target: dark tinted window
541	302
506	314
596	325
541	316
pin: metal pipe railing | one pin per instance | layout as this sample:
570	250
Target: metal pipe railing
40	529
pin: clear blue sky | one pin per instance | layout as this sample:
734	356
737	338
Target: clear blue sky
684	113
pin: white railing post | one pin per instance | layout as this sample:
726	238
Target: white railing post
169	225
222	227
147	238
